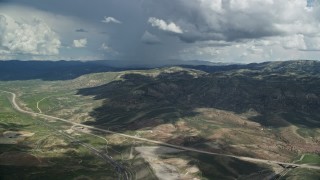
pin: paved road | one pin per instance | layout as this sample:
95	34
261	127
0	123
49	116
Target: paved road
121	170
256	160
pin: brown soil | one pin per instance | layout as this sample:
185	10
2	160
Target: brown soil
167	169
19	159
162	132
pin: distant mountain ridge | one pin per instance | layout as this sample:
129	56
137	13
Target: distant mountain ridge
299	66
62	70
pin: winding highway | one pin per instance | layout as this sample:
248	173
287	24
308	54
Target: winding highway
256	160
122	171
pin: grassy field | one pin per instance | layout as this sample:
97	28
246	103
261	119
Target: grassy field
44	154
48	154
311	159
304	174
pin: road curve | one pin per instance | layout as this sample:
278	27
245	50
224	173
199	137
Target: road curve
39	103
256	160
121	170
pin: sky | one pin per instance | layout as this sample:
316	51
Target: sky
239	31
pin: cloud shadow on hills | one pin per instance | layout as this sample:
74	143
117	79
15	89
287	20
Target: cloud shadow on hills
70	165
143	102
139	101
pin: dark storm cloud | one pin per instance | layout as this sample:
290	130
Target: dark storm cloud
151	30
81	30
199	18
200	22
227	23
149	38
198	36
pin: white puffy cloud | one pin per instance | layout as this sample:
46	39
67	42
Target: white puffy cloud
33	38
163	25
80	43
111	20
149	38
62	25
